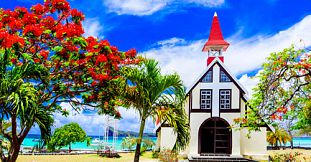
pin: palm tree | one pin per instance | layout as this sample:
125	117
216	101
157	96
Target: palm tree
279	136
155	95
18	106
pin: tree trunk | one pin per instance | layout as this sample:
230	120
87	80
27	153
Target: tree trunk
14	154
291	139
140	136
69	147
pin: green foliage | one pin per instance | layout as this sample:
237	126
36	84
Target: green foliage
155	95
128	143
280	136
67	135
283	91
155	153
148	143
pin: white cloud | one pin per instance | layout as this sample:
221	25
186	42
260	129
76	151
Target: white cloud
148	7
243	55
135	7
249	82
207	3
92	27
93	124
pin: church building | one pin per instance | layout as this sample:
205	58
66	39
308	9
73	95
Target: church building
213	101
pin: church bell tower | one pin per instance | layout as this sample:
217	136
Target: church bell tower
216	44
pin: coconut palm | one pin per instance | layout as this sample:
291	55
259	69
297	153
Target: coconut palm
155	95
279	136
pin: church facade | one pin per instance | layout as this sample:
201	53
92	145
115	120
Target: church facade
213	101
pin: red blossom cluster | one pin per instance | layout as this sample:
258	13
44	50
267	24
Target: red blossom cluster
8	40
279	113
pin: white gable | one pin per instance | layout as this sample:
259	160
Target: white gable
217	60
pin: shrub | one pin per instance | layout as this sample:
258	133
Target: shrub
287	157
155	153
167	155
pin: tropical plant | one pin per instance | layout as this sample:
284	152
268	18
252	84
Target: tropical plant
279	136
284	89
19	105
148	143
155	95
45	60
167	155
128	143
67	135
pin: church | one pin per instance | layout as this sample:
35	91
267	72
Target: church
213	101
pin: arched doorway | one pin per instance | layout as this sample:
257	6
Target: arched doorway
215	137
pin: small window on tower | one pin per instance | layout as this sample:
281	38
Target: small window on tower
208	77
224	77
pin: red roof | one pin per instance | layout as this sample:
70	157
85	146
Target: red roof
215	40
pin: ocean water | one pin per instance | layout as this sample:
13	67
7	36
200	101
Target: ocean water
301	142
31	141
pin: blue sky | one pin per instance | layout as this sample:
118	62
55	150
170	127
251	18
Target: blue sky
174	31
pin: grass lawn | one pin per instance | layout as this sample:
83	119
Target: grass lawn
125	157
128	157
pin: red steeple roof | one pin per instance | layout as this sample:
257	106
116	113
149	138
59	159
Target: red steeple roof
215	40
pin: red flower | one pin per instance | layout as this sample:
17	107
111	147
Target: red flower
44	54
102	77
61	5
13	60
131	53
36	60
94	83
76	15
38	9
100	58
34	29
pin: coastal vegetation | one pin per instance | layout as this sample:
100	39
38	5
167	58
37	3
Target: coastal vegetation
283	92
67	135
44	61
278	137
155	95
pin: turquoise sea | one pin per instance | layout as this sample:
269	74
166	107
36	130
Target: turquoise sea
32	140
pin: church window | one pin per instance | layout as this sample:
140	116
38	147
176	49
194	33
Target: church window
208	77
224	77
225	99
206	99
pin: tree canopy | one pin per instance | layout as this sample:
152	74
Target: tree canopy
45	60
283	91
67	135
155	95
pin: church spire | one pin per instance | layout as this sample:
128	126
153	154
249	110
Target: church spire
216	43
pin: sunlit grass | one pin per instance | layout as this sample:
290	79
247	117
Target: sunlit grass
125	157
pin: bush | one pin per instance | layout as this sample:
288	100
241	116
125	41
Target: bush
167	155
155	153
286	157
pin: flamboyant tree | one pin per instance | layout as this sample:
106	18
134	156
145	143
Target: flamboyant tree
283	92
44	49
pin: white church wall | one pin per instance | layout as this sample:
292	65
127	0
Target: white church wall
256	145
168	138
196	120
